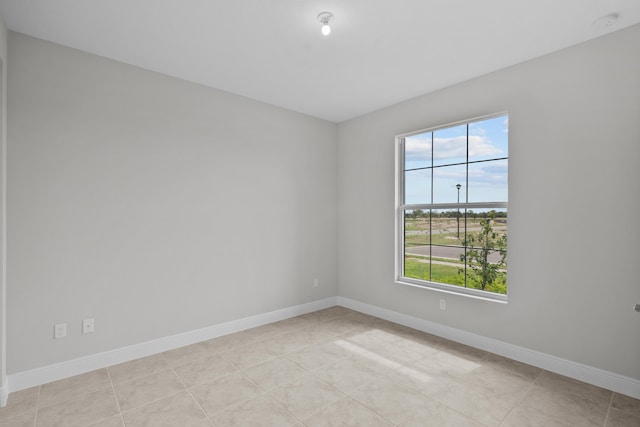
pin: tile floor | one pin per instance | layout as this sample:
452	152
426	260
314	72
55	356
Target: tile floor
333	367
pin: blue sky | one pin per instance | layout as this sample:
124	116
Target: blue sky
487	181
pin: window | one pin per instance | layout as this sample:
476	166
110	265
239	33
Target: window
451	215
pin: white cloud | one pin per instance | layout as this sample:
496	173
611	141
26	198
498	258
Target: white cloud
417	149
450	148
454	148
480	146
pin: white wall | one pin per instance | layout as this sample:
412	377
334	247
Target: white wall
573	208
3	181
154	205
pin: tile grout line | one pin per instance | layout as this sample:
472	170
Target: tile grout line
606	417
189	391
35	421
310	374
522	398
115	395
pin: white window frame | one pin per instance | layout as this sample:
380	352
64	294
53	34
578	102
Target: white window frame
400	214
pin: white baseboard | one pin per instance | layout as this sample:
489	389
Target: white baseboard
601	378
4	393
46	374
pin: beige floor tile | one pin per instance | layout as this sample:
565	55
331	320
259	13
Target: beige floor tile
141	391
294	324
20	402
365	318
479	403
626	404
319	355
345	374
80	411
229	342
618	418
290	342
343	324
251	355
318	333
442	366
115	421
428	343
224	392
22	420
369	338
204	370
415	335
261	411
501	376
512	366
434	414
306	395
275	373
568	386
389	399
178	410
387	359
414	348
427	382
461	351
73	387
186	354
452	364
394	329
326	314
346	413
523	416
265	332
138	368
568	401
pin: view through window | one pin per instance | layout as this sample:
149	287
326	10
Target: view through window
452	207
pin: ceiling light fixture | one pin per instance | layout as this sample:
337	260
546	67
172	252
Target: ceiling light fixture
325	18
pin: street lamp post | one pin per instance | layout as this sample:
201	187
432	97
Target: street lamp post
458	187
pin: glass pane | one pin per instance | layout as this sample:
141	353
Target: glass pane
417	250
417	186
488	139
486	252
447	228
488	181
417	151
445	184
450	145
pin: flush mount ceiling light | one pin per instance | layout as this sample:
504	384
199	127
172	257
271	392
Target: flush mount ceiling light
325	18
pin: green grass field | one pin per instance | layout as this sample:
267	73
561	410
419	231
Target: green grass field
449	274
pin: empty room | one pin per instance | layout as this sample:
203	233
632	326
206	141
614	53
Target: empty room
319	213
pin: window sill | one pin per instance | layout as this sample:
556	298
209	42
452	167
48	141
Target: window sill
453	290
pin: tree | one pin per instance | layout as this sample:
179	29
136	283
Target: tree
479	246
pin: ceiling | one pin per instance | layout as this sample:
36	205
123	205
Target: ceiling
379	52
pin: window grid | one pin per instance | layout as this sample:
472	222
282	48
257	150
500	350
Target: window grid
461	212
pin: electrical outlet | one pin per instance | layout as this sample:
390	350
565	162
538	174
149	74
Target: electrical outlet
59	330
316	282
443	304
87	326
